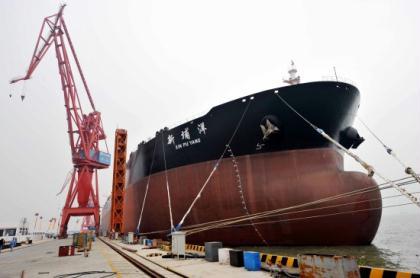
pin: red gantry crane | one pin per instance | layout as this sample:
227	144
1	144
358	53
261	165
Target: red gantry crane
84	129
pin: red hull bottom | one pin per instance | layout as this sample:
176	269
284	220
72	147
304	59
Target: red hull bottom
269	181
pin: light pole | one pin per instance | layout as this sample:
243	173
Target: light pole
40	224
49	225
36	220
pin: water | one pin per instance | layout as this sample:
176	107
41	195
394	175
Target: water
396	245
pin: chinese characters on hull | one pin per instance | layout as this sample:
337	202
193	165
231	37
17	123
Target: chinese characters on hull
185	134
185	137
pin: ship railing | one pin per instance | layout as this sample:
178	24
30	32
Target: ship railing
180	122
188	119
339	79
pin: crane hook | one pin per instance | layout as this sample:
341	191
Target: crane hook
22	97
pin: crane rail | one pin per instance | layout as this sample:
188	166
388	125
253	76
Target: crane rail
141	266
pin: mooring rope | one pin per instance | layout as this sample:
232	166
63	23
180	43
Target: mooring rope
270	213
321	215
193	231
322	208
273	213
348	194
409	170
369	168
208	225
383	186
167	184
147	188
224	224
216	165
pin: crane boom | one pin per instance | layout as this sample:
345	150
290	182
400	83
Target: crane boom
40	50
85	130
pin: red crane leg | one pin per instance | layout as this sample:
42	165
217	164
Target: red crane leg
87	199
84	186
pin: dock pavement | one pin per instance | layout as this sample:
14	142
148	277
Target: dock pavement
41	260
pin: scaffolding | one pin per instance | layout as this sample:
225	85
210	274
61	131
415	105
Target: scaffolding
118	180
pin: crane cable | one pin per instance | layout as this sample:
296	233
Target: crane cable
167	184
66	181
216	165
147	189
371	170
408	169
23	92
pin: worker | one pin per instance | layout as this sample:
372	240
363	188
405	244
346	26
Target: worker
1	243
12	244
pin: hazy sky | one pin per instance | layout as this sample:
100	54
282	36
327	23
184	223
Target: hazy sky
151	64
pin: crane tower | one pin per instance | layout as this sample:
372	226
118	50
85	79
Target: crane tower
85	129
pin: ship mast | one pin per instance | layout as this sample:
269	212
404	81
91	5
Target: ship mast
293	77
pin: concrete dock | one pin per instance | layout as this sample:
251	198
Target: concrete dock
106	259
41	260
113	258
197	267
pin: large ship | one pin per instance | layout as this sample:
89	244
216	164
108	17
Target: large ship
251	155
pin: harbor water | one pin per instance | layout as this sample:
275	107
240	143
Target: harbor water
396	245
